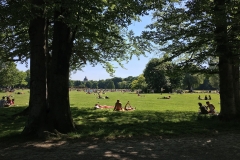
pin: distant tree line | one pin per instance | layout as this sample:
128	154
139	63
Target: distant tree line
157	77
112	83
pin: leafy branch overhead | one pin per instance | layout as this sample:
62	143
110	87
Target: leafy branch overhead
98	26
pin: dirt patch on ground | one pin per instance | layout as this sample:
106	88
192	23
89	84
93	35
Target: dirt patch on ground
219	146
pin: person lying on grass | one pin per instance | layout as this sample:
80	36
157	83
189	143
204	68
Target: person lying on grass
167	97
98	106
118	106
128	107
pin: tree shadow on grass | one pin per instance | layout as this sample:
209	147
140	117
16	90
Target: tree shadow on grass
109	124
11	127
106	124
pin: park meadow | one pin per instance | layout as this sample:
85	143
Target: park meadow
154	116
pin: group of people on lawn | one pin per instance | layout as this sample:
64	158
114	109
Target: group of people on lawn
6	102
209	108
205	98
117	107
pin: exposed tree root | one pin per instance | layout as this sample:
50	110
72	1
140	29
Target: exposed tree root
46	135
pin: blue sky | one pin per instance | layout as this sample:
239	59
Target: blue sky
134	67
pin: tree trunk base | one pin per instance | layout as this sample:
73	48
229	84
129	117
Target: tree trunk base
228	118
46	135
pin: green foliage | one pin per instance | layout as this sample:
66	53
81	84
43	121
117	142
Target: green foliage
116	81
139	83
124	85
184	31
88	84
98	29
14	40
214	80
95	84
110	84
27	79
191	81
11	76
101	84
155	76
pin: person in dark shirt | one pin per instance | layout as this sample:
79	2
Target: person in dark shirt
202	108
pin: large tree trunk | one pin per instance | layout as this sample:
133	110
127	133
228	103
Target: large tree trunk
37	102
227	90
227	98
236	86
235	46
60	115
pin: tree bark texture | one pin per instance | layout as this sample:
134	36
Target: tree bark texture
37	102
58	93
49	108
227	90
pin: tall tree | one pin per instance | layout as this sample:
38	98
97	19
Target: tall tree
27	79
191	81
95	85
89	84
11	76
139	83
110	84
116	80
123	85
155	76
64	35
214	80
227	62
204	34
101	84
36	122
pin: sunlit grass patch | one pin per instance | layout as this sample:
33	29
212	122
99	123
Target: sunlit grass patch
153	116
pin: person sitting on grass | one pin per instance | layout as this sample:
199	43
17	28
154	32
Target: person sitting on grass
209	97
210	107
2	102
206	97
8	102
199	97
203	109
118	106
128	107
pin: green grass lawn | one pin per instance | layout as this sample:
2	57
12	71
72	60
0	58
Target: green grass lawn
153	117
